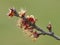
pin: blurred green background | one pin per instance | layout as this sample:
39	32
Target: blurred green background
43	10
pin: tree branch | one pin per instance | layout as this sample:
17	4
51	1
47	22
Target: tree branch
42	32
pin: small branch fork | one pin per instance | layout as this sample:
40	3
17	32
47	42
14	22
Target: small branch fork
47	33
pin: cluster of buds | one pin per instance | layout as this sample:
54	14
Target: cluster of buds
26	26
12	12
28	29
35	35
22	13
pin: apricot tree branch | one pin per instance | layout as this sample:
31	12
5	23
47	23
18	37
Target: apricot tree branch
42	32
